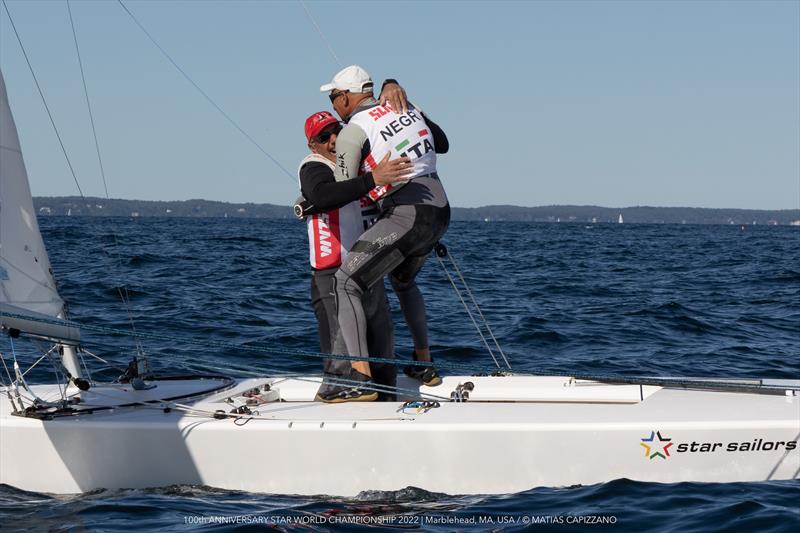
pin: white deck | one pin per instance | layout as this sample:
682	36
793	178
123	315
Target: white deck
556	432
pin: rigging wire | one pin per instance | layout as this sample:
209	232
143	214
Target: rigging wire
685	383
205	94
41	94
10	379
125	295
319	30
452	260
47	353
466	308
251	348
475	303
123	288
108	363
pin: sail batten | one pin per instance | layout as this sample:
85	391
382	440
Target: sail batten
26	280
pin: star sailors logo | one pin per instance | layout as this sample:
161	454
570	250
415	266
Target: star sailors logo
657	445
653	448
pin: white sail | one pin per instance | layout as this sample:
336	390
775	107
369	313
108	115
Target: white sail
26	280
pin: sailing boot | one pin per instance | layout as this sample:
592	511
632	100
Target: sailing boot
359	388
426	374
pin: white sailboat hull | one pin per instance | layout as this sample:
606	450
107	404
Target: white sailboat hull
557	433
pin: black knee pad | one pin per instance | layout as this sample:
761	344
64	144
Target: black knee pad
373	270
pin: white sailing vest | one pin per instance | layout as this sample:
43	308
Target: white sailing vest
399	134
332	234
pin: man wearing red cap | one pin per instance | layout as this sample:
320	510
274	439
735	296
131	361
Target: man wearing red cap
336	215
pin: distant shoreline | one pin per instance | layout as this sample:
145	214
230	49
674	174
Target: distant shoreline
93	206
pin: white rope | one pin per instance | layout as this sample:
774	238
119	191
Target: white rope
38	361
322	35
108	363
10	379
475	303
466	308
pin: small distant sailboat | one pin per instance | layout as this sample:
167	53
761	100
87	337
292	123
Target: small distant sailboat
620	219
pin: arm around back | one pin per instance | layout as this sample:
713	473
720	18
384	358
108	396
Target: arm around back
440	142
319	187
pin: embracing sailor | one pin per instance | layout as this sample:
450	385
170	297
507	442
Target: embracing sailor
414	214
336	215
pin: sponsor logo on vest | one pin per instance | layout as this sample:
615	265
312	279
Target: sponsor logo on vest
340	162
657	445
325	246
378	191
425	144
325	240
378	112
398	124
324	235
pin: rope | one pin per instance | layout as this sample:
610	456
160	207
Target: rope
202	92
475	303
377	387
47	353
56	370
102	360
324	39
123	288
10	379
160	403
466	308
252	348
709	384
18	379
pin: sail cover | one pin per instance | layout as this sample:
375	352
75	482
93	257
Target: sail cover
26	280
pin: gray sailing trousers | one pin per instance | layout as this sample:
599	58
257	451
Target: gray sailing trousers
397	244
379	328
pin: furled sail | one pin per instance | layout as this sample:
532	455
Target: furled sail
26	280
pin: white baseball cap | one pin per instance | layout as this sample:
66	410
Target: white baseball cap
353	78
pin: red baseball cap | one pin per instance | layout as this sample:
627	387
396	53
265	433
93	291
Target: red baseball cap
317	122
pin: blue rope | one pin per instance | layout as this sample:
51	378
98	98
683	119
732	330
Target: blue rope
252	348
258	348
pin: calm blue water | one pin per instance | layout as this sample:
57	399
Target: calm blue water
601	299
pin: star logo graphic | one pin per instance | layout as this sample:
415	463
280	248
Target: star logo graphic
653	448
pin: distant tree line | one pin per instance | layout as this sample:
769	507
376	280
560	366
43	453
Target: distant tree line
90	206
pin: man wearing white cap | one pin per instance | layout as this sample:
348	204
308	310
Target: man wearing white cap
414	214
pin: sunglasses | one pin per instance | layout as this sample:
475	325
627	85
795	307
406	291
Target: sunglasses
327	134
334	96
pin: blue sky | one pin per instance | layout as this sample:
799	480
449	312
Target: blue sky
605	103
